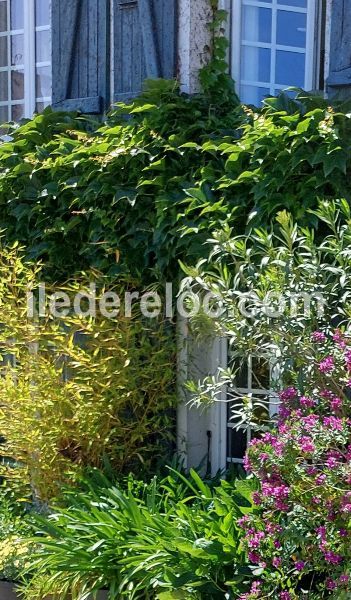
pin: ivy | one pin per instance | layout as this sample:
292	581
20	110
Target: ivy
137	194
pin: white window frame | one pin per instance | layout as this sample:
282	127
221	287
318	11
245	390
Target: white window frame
30	65
312	29
259	393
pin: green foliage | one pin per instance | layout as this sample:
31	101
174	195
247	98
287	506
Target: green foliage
78	391
276	287
170	539
139	193
14	533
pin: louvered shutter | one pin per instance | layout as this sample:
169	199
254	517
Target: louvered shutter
80	55
144	34
339	80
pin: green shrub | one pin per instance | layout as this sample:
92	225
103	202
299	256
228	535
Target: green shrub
172	539
79	391
275	287
140	192
15	531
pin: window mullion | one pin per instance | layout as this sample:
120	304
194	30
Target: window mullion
9	91
310	45
29	58
273	46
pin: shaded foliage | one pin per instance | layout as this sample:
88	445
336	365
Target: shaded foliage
135	195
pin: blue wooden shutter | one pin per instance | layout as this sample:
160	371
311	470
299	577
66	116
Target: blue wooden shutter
339	80
144	36
80	55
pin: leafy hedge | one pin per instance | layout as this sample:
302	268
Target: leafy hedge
171	539
140	192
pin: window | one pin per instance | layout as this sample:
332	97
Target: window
253	381
274	46
25	58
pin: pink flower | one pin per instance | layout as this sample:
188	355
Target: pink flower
256	498
285	596
307	402
310	421
333	423
321	532
336	404
306	445
254	542
331	462
348	360
332	558
299	565
288	394
254	558
327	365
331	585
277	561
247	463
319	337
344	579
338	338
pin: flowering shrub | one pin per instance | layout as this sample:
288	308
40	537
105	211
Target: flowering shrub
300	541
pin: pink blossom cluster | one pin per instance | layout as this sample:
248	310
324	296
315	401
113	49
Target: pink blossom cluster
299	534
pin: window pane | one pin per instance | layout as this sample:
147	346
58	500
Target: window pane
291	29
237	445
17	112
3	114
43	82
256	64
43	52
251	94
17	13
3	86
299	3
257	24
17	85
3	15
3	52
39	107
290	68
17	50
42	12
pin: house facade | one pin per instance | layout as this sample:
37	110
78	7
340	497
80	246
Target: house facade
86	54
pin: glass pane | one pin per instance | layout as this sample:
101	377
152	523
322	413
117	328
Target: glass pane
299	3
257	24
237	443
17	112
255	64
43	82
3	86
43	51
3	15
17	14
290	69
17	85
42	12
17	50
39	107
251	94
291	29
3	52
4	114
